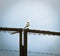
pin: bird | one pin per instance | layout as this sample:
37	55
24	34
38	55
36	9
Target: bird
27	25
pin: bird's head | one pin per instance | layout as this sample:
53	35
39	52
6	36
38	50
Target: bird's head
27	22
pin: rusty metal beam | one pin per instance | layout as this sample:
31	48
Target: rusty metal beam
10	29
25	43
30	30
23	49
43	32
20	43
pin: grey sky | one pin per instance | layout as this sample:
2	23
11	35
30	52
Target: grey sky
42	15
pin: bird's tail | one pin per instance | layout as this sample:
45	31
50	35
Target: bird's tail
24	27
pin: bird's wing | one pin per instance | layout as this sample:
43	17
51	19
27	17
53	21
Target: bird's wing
27	25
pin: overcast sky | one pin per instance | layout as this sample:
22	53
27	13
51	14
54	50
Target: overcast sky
42	15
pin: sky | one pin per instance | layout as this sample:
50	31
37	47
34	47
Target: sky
42	15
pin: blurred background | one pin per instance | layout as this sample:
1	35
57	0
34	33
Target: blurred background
42	15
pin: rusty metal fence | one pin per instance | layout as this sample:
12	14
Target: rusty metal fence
23	48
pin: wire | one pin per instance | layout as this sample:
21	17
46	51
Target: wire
2	50
9	50
44	53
